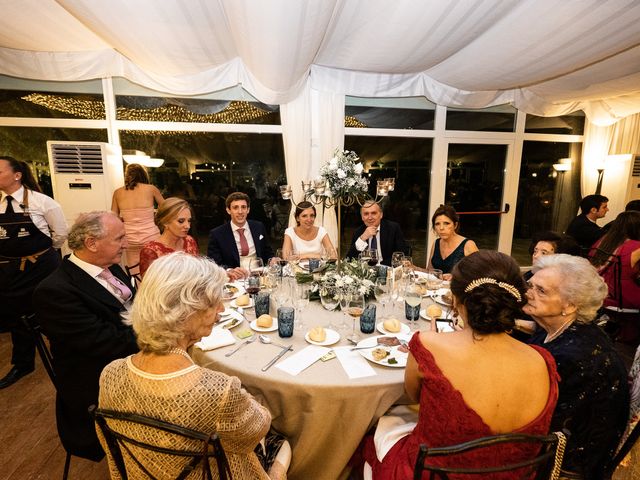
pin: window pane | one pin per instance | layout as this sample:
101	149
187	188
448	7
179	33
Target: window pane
415	113
547	199
572	124
32	99
30	145
501	118
205	167
475	179
408	160
233	105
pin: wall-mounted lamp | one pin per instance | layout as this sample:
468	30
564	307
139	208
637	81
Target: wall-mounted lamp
143	159
609	159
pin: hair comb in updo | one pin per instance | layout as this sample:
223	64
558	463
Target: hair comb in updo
504	285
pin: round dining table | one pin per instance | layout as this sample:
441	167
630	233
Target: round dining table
323	413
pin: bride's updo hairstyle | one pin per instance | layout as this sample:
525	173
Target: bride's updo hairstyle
490	286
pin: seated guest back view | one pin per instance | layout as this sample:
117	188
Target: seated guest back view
79	307
564	296
174	220
178	303
471	383
584	228
305	239
377	233
450	247
234	244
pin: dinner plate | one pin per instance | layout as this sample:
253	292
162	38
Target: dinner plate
440	299
404	329
272	328
235	305
394	353
237	290
231	322
332	337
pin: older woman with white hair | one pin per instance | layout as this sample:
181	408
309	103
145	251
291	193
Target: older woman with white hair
563	298
178	304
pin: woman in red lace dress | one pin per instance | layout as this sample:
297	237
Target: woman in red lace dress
173	218
474	382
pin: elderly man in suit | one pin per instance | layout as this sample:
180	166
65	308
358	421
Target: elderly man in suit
80	307
233	245
377	233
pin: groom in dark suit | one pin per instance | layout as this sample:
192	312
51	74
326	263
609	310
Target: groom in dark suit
379	234
232	245
79	308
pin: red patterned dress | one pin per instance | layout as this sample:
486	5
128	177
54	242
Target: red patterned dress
153	250
445	419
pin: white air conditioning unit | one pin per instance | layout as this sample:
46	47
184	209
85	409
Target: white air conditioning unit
84	175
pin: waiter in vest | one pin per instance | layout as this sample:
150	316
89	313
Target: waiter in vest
32	226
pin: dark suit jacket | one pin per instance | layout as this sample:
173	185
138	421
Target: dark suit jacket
584	232
391	240
224	251
82	321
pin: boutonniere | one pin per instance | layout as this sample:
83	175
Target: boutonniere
261	237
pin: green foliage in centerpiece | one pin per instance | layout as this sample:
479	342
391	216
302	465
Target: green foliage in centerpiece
353	274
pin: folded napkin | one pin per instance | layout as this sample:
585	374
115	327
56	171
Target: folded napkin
353	363
302	359
220	337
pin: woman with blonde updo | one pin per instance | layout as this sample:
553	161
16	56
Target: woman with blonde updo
173	218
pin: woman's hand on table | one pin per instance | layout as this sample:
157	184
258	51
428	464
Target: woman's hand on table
446	277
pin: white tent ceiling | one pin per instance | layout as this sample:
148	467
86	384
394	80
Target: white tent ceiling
546	57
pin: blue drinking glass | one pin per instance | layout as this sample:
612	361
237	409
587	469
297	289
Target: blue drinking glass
285	321
368	319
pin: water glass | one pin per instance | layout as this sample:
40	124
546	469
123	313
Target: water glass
368	319
303	291
382	292
262	303
314	264
285	321
434	278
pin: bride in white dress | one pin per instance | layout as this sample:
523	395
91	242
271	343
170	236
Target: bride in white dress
305	239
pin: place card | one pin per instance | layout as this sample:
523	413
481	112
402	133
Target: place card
354	364
306	357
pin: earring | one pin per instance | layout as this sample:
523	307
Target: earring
564	313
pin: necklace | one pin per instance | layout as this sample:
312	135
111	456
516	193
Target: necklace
179	351
557	333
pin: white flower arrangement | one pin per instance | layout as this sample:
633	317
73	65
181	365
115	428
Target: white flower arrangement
355	276
343	175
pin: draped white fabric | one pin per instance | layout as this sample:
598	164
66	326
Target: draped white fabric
546	57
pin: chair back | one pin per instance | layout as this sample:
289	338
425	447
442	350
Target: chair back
198	459
32	326
614	265
134	272
546	464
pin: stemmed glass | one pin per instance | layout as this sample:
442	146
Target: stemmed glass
413	299
434	279
252	282
355	307
407	267
382	293
301	302
330	299
345	298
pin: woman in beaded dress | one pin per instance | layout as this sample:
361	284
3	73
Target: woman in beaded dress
174	220
176	305
470	383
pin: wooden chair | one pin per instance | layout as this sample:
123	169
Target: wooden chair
210	446
32	326
545	464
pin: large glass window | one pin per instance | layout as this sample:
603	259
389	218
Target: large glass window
572	124
548	197
408	160
35	99
501	118
415	113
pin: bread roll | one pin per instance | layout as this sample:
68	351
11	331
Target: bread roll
264	321
434	311
318	334
392	325
243	300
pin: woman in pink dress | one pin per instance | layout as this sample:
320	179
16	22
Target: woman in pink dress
174	221
134	204
473	382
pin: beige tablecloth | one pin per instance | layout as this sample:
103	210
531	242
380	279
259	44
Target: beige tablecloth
323	413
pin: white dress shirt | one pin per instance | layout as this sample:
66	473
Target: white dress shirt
362	245
45	213
246	260
93	271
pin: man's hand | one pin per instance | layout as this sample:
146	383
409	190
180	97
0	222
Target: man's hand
368	233
237	273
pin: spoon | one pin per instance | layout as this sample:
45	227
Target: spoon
249	340
267	340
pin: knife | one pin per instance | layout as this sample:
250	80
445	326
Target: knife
276	358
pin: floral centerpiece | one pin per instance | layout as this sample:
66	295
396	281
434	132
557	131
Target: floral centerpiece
343	175
353	275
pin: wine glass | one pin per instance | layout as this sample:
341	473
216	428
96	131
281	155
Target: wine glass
330	299
256	267
282	262
345	298
365	256
355	307
434	279
413	299
382	293
407	267
373	258
301	301
396	259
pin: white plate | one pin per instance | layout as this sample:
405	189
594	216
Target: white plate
272	328
235	305
438	299
404	329
231	322
239	290
332	337
401	357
